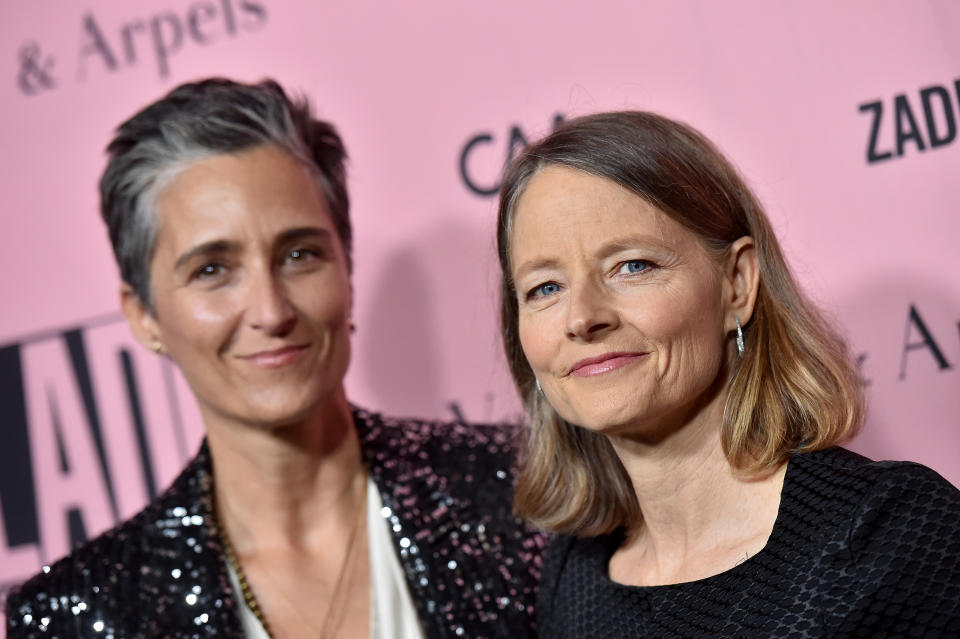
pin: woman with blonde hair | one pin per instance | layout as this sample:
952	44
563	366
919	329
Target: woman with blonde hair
686	401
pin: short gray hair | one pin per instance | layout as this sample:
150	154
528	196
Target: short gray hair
198	120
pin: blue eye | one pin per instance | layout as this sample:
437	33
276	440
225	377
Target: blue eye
634	266
544	290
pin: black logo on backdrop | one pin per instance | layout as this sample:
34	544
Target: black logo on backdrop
919	343
919	337
35	70
153	40
511	143
60	392
897	127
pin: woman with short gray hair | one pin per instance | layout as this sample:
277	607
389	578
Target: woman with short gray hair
301	515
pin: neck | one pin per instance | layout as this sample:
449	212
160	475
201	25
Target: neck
693	502
680	482
286	486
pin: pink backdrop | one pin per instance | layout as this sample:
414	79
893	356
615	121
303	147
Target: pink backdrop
800	94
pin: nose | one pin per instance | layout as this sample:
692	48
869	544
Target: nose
590	313
268	306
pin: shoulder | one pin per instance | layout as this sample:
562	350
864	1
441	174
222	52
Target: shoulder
451	466
468	468
910	506
444	444
447	490
840	478
132	577
554	560
82	589
897	542
837	474
869	498
882	495
574	575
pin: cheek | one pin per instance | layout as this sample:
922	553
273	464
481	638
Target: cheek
195	321
325	300
690	328
535	341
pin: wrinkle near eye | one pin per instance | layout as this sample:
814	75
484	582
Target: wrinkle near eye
643	265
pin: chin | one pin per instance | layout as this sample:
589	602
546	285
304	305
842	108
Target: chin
277	420
277	403
610	427
611	415
280	410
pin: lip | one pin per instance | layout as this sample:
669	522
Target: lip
277	357
605	363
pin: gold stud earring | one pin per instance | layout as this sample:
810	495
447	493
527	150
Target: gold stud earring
157	347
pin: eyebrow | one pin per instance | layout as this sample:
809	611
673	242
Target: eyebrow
631	242
606	250
207	248
215	247
536	264
304	232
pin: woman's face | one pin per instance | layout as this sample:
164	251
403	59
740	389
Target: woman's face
250	287
622	312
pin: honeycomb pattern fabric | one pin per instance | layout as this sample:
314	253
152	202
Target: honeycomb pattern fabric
859	549
471	566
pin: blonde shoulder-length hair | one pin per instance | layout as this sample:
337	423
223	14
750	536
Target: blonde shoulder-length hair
794	390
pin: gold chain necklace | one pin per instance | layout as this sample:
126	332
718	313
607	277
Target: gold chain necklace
246	590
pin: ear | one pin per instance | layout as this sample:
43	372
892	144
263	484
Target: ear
741	280
142	323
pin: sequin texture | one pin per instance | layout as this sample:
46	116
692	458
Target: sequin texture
471	565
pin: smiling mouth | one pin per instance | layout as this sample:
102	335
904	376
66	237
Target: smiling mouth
603	364
278	357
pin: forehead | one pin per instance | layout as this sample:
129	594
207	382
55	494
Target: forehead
263	190
563	207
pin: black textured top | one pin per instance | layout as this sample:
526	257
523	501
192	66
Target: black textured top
859	549
470	565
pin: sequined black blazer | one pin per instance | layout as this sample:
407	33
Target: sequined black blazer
471	566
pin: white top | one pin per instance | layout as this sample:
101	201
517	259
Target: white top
392	614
